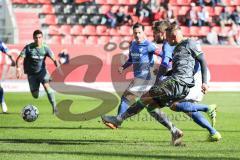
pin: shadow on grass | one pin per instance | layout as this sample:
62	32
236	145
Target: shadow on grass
99	128
83	142
112	154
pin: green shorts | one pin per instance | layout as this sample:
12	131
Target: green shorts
34	80
168	91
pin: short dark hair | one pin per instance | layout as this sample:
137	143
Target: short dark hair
36	32
138	25
161	25
173	27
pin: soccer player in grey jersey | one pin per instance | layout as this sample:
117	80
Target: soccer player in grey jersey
34	56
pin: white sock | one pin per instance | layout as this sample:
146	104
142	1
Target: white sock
4	107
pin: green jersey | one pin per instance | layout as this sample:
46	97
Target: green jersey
34	58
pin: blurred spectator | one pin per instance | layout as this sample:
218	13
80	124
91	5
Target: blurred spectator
159	14
153	5
212	3
192	18
83	20
58	8
212	37
72	19
169	14
63	57
223	36
68	9
235	16
233	34
203	17
123	17
80	9
61	19
141	10
111	18
92	9
96	19
225	18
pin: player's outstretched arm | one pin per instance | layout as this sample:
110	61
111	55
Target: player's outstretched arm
18	69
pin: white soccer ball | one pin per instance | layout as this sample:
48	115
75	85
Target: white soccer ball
30	113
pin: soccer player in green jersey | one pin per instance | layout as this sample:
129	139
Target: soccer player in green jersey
34	56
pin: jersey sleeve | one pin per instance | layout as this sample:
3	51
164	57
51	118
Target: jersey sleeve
3	47
195	48
23	52
49	52
152	48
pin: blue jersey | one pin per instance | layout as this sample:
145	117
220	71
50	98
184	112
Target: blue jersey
141	57
3	47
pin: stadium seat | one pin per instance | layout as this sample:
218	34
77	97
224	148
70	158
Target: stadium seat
183	2
102	40
185	30
182	10
112	2
92	40
47	9
204	30
194	31
127	38
89	30
133	2
101	1
125	30
116	39
76	30
33	1
124	2
81	1
216	29
102	30
217	10
44	1
65	29
55	40
53	30
50	19
80	40
113	32
148	30
210	10
67	40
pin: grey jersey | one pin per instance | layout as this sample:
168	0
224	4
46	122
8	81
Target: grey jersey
34	58
184	60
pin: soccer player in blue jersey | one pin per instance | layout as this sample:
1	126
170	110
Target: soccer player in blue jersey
34	56
141	57
4	49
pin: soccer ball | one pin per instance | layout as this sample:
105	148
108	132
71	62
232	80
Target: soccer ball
30	113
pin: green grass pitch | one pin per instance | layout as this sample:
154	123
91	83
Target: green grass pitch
139	138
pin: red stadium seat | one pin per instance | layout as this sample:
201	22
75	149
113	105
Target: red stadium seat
204	30
115	8
81	1
44	1
33	1
55	40
67	40
92	40
102	30
112	2
101	1
80	40
210	10
102	40
89	30
182	10
113	32
194	31
218	10
216	29
124	2
133	2
125	30
148	30
53	30
76	30
183	2
127	38
116	39
47	8
185	30
65	29
50	19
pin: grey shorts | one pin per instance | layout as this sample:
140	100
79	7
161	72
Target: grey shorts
168	91
34	80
